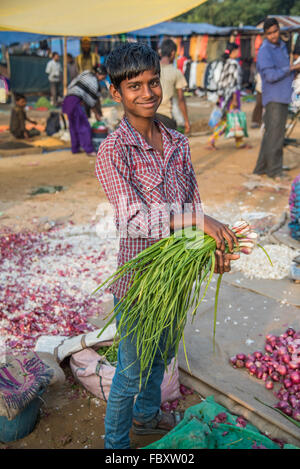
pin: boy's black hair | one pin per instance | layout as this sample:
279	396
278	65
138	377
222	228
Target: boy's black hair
129	60
19	96
167	47
269	22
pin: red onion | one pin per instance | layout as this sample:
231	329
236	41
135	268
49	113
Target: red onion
292	348
293	365
252	369
270	338
286	358
275	376
268	348
281	369
293	401
240	364
241	356
233	361
281	351
269	384
285	396
279	363
248	363
221	417
296	414
295	377
287	383
282	405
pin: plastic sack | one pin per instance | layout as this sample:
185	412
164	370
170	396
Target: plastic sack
215	117
236	124
95	373
209	425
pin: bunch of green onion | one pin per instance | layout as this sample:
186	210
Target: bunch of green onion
169	278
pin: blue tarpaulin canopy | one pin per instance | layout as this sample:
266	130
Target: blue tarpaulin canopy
176	28
14	37
167	28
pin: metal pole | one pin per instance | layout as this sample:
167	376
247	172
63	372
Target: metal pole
65	78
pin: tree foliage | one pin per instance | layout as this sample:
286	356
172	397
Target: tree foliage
236	12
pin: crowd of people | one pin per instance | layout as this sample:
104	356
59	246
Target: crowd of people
274	87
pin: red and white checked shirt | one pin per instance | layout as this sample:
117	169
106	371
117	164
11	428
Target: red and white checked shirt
144	187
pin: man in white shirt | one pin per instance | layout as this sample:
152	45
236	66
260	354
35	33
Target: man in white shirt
54	72
173	82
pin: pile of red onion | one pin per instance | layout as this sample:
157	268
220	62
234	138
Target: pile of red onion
46	283
279	367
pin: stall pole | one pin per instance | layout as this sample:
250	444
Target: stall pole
65	82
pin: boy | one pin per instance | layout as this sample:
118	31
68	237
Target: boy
18	118
173	82
143	166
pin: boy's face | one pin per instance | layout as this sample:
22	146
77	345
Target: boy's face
273	34
21	102
141	95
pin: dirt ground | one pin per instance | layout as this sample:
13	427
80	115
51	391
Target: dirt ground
71	417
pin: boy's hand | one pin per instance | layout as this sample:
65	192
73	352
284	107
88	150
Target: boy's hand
220	233
223	261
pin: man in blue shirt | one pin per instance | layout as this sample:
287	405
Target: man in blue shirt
273	65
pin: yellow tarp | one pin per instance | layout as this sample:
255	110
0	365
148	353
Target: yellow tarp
89	17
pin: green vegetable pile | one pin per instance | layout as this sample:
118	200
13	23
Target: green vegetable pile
169	278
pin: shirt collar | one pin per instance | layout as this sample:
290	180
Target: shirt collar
132	137
276	46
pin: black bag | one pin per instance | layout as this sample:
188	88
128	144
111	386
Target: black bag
55	122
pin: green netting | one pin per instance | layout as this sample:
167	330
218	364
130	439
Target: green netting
201	429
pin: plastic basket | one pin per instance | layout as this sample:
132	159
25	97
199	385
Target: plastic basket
23	424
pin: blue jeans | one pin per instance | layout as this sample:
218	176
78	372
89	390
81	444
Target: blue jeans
121	407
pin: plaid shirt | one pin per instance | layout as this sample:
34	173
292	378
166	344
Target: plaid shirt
144	187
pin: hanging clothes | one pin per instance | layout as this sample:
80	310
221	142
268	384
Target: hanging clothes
186	46
212	49
180	49
221	46
193	48
193	76
203	47
247	59
180	63
200	71
257	44
187	70
238	42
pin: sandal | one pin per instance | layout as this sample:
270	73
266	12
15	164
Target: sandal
162	423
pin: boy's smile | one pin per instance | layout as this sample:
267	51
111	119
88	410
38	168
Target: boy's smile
141	95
